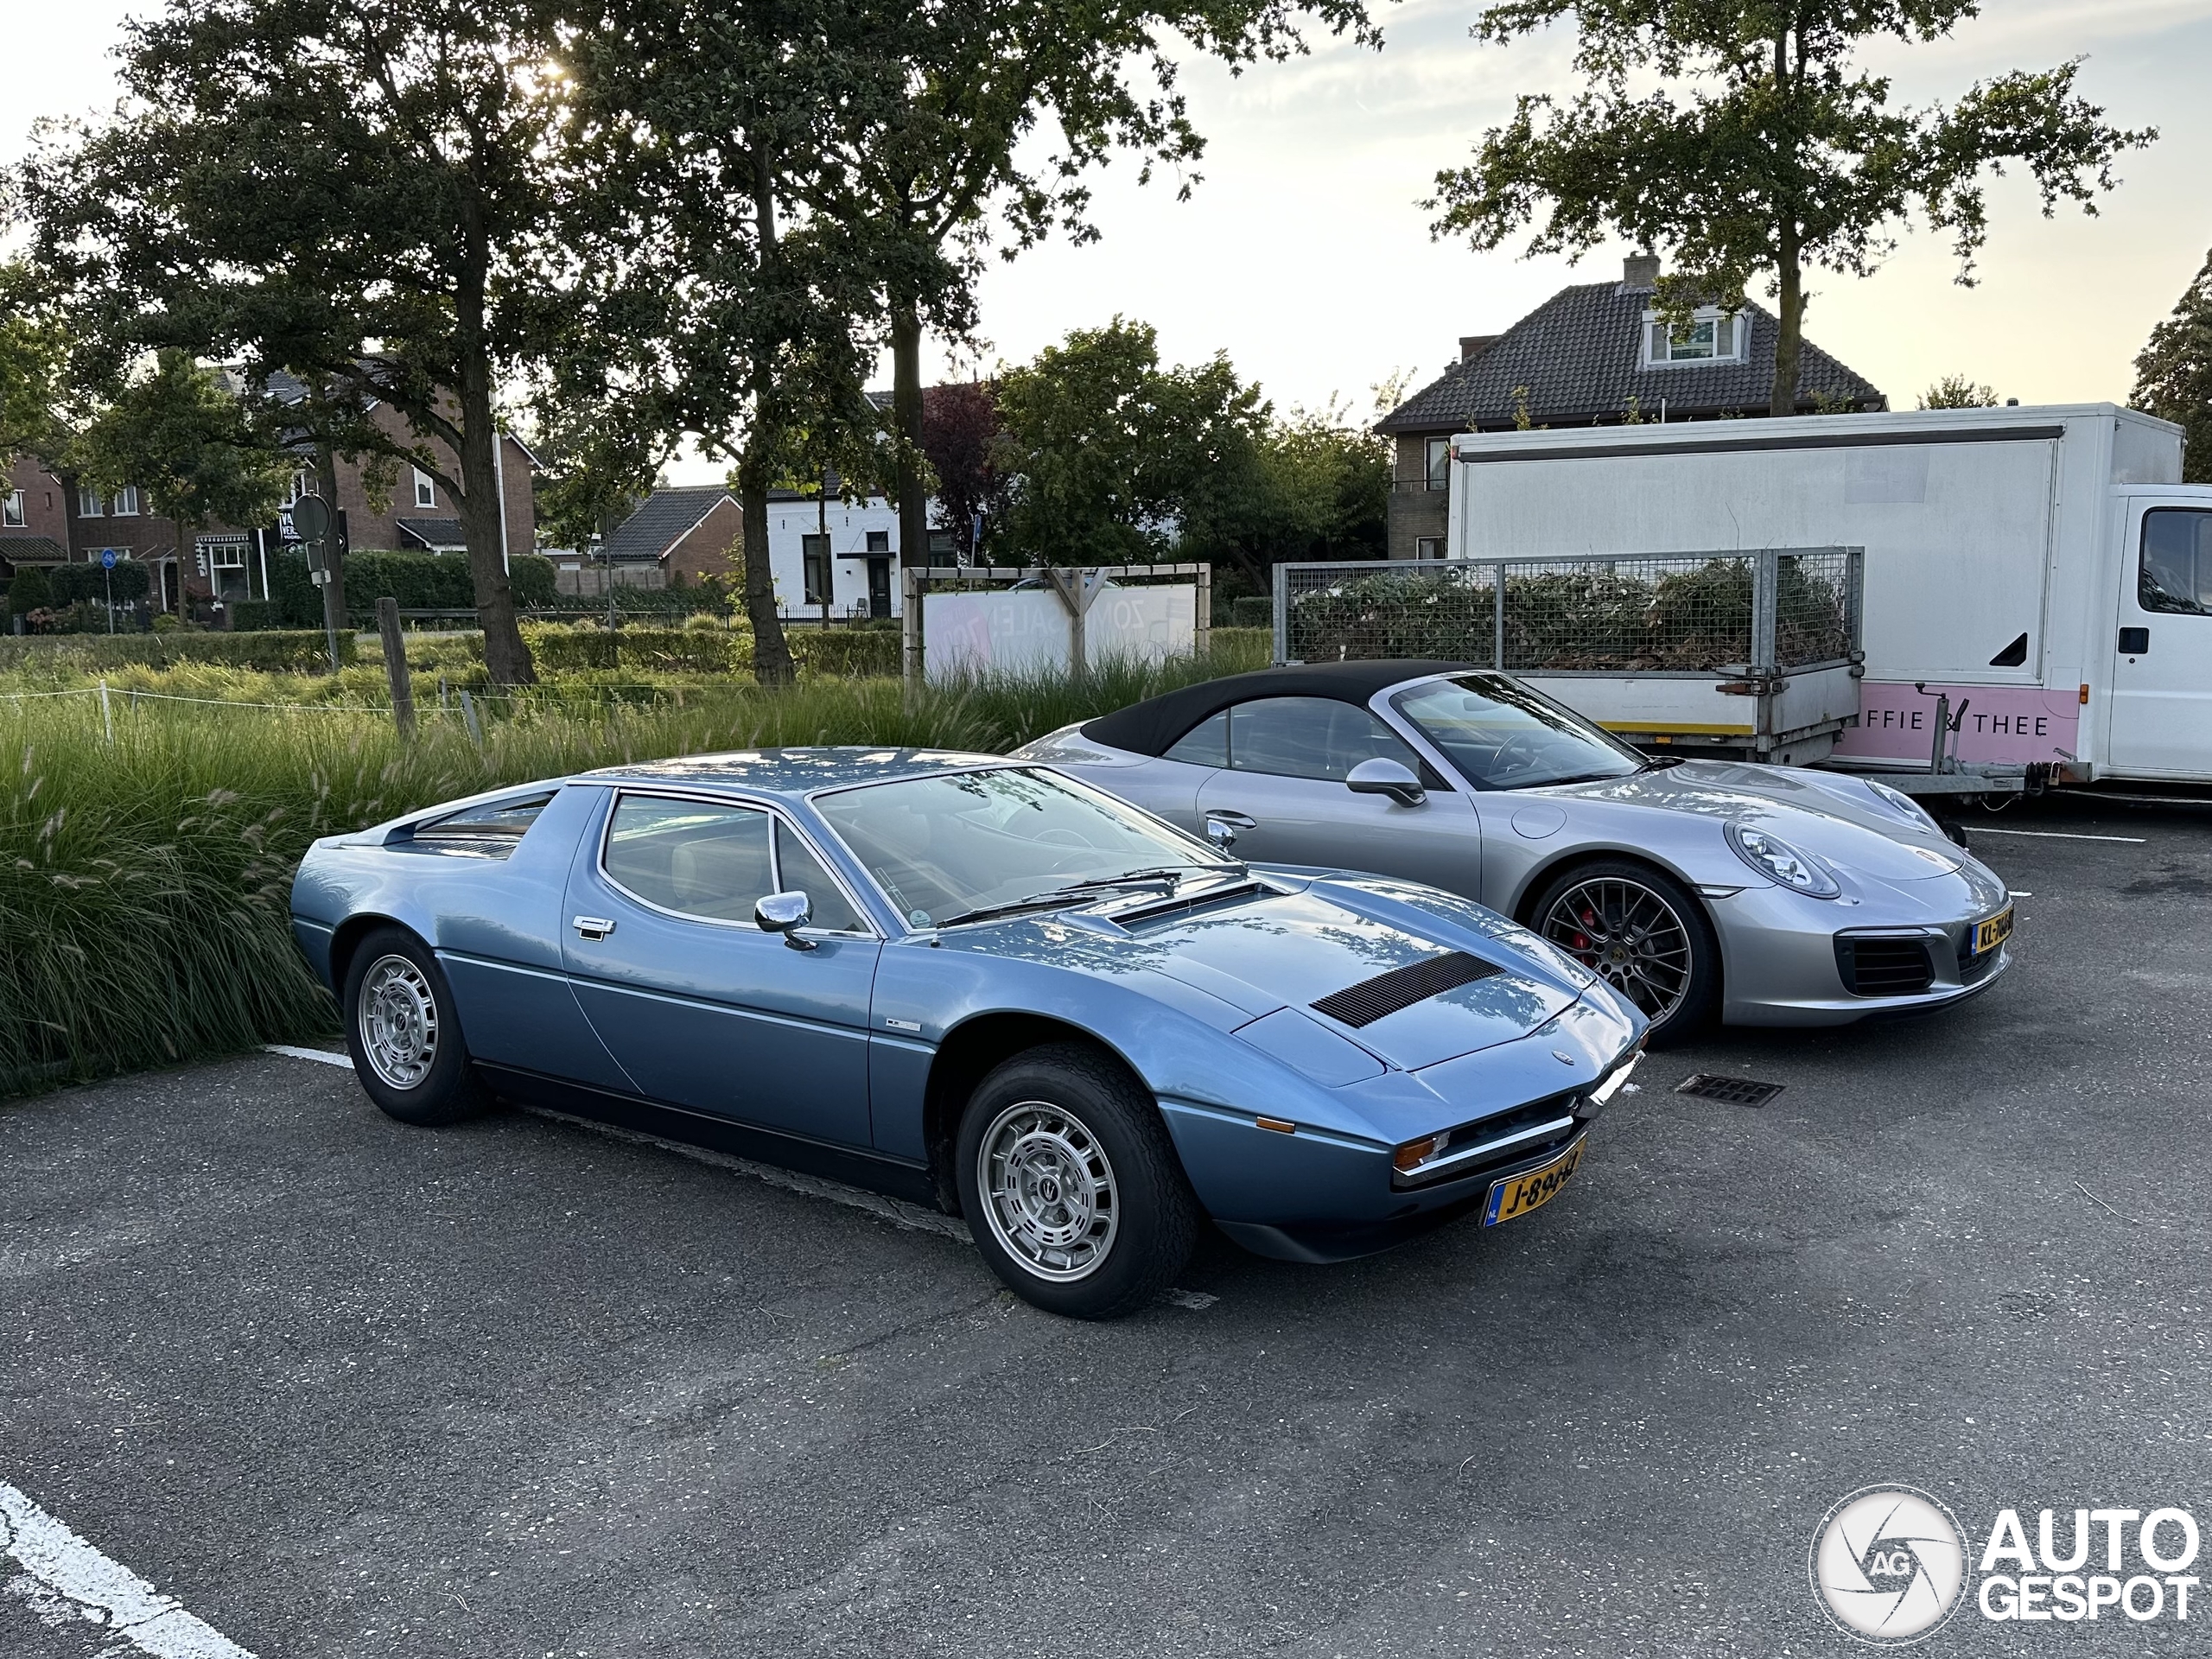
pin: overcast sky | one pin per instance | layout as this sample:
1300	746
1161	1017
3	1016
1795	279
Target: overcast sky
1302	253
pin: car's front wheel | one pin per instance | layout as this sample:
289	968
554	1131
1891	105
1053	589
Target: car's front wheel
402	1033
1644	934
1071	1185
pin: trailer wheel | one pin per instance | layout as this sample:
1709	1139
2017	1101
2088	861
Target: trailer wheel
1644	933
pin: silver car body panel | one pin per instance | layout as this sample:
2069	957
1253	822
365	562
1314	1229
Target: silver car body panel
1899	877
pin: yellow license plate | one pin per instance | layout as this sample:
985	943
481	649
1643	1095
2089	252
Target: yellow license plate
1988	935
1517	1195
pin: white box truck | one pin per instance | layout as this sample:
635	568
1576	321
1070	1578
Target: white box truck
2043	571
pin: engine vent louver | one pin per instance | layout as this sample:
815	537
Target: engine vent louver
1371	999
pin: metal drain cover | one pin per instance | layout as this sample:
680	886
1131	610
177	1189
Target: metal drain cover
1729	1092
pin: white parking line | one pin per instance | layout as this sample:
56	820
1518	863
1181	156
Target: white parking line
65	1582
2058	835
322	1054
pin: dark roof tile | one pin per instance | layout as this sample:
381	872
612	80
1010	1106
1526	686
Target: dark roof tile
1579	355
662	519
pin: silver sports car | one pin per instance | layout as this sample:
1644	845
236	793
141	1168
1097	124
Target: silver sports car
1766	895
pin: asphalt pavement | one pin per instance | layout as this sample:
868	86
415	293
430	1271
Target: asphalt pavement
526	1389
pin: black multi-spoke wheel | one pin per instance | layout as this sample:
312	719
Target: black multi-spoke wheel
1643	933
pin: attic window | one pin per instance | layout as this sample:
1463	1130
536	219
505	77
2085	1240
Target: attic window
1710	336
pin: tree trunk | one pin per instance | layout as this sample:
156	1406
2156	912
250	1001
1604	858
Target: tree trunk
1788	342
1790	278
506	656
907	423
772	655
333	561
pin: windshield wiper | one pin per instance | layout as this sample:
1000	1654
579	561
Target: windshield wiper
1661	762
1166	879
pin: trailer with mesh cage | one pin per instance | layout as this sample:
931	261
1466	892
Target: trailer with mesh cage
1752	655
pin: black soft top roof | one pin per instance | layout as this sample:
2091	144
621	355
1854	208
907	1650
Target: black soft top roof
1155	725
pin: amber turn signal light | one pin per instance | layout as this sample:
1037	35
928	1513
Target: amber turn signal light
1280	1125
1415	1153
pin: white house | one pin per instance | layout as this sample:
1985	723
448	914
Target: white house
841	554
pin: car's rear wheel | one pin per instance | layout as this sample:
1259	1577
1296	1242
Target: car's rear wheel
1071	1185
1644	933
402	1033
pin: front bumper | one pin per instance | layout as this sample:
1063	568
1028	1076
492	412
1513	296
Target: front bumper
1781	967
1322	1241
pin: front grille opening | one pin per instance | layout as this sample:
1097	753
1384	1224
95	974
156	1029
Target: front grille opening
1371	999
1878	967
1496	1127
1973	968
1728	1091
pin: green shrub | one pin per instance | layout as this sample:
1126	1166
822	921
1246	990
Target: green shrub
420	582
847	653
663	650
1252	611
91	584
255	615
87	653
32	590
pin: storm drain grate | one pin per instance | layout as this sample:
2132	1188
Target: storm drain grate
1369	1001
1729	1092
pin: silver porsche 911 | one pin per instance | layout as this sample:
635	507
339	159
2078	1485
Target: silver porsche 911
1765	895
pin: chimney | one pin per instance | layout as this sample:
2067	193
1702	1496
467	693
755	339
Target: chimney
1640	273
1473	345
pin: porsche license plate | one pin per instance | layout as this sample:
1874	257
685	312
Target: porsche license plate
1988	935
1517	1195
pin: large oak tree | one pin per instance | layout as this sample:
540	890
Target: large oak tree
1763	148
360	194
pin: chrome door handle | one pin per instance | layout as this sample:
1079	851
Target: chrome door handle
1234	820
593	927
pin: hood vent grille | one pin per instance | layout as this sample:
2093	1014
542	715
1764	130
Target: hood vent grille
1371	999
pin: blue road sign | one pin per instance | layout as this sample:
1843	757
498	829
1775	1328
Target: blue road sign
108	558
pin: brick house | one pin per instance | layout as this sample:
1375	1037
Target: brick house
688	532
1595	354
218	563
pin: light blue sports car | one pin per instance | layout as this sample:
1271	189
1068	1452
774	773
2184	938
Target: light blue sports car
976	983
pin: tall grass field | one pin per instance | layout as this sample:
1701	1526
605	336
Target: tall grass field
146	845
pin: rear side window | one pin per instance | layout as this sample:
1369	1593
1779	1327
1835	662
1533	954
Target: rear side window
1205	744
2175	575
493	827
1310	737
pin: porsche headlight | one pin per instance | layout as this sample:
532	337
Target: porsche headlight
1904	805
1776	860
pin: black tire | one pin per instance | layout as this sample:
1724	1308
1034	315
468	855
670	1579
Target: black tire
1041	1117
1634	889
407	983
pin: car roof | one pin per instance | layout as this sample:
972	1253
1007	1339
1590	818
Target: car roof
1155	725
794	771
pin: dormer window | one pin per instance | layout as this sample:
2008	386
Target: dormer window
1710	336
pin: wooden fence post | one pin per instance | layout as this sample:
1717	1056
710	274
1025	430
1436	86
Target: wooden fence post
395	665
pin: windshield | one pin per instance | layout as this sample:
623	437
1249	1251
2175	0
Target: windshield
1502	735
946	846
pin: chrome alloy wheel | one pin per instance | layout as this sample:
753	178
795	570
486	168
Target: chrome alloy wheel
1626	932
1048	1191
398	1022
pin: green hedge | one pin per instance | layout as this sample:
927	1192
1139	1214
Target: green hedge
72	584
692	651
849	653
420	582
272	653
255	615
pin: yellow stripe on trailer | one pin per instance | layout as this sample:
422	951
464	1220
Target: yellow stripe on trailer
1685	727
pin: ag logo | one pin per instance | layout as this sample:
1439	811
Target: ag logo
1890	1564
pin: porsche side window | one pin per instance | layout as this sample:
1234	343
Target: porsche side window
1309	737
1205	744
798	868
2175	575
692	856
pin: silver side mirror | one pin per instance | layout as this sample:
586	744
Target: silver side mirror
785	913
1384	777
1221	832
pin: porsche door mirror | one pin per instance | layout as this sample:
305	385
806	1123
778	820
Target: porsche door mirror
1384	777
785	913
